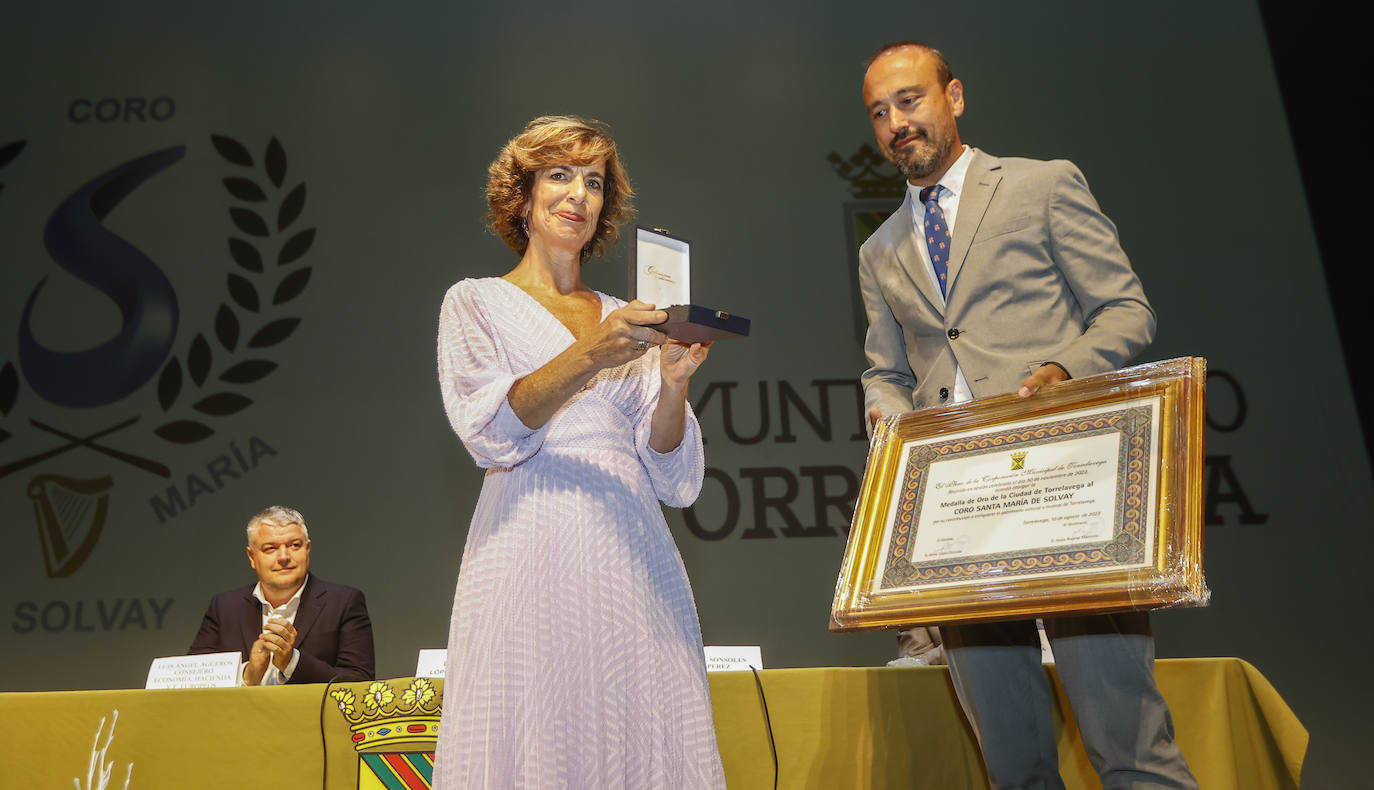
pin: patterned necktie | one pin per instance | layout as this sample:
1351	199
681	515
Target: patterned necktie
937	234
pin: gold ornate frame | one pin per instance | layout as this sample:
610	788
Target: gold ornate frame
1152	559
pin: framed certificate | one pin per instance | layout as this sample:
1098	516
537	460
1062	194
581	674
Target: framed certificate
1086	497
661	275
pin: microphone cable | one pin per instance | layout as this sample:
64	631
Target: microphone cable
768	725
324	746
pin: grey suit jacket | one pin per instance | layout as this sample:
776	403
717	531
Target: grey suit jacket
1036	273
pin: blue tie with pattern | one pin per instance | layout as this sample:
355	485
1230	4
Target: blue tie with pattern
937	234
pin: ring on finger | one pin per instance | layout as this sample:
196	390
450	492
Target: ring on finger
643	344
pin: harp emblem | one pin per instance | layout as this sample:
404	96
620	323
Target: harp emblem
70	514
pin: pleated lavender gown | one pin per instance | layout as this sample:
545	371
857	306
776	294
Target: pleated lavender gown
574	651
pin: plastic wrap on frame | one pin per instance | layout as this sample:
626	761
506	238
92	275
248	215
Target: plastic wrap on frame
1168	569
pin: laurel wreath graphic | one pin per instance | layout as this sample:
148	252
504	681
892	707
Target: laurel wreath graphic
286	280
9	392
9	152
9	377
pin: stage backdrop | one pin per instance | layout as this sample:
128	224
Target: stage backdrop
286	191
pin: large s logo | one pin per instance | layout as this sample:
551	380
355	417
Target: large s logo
80	244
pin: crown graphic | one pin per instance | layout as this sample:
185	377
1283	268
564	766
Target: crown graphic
383	717
869	174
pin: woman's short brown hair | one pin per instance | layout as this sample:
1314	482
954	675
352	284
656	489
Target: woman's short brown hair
548	141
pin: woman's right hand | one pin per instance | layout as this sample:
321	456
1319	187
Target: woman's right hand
624	335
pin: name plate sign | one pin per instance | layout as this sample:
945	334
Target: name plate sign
1086	497
211	670
733	658
431	662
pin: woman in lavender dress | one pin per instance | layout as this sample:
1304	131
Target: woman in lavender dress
574	653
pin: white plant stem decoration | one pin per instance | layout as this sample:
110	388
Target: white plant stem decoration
98	761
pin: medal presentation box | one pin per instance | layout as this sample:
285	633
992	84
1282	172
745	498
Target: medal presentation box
1084	498
661	274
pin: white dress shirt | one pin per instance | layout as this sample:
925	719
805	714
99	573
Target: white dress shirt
287	612
953	183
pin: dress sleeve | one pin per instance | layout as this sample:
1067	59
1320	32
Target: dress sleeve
677	474
474	379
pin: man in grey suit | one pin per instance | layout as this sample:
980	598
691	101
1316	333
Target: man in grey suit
1029	287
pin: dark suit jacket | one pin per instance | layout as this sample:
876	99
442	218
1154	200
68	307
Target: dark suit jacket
333	631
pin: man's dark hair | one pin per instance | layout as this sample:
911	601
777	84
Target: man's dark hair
942	69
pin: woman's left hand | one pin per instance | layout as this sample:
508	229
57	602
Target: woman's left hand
676	364
678	361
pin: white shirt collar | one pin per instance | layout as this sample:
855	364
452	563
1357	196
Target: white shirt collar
287	610
952	180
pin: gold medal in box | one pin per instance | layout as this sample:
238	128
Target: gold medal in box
661	275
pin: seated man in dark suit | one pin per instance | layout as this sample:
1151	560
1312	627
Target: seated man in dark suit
292	627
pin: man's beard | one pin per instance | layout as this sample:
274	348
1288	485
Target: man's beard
922	160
